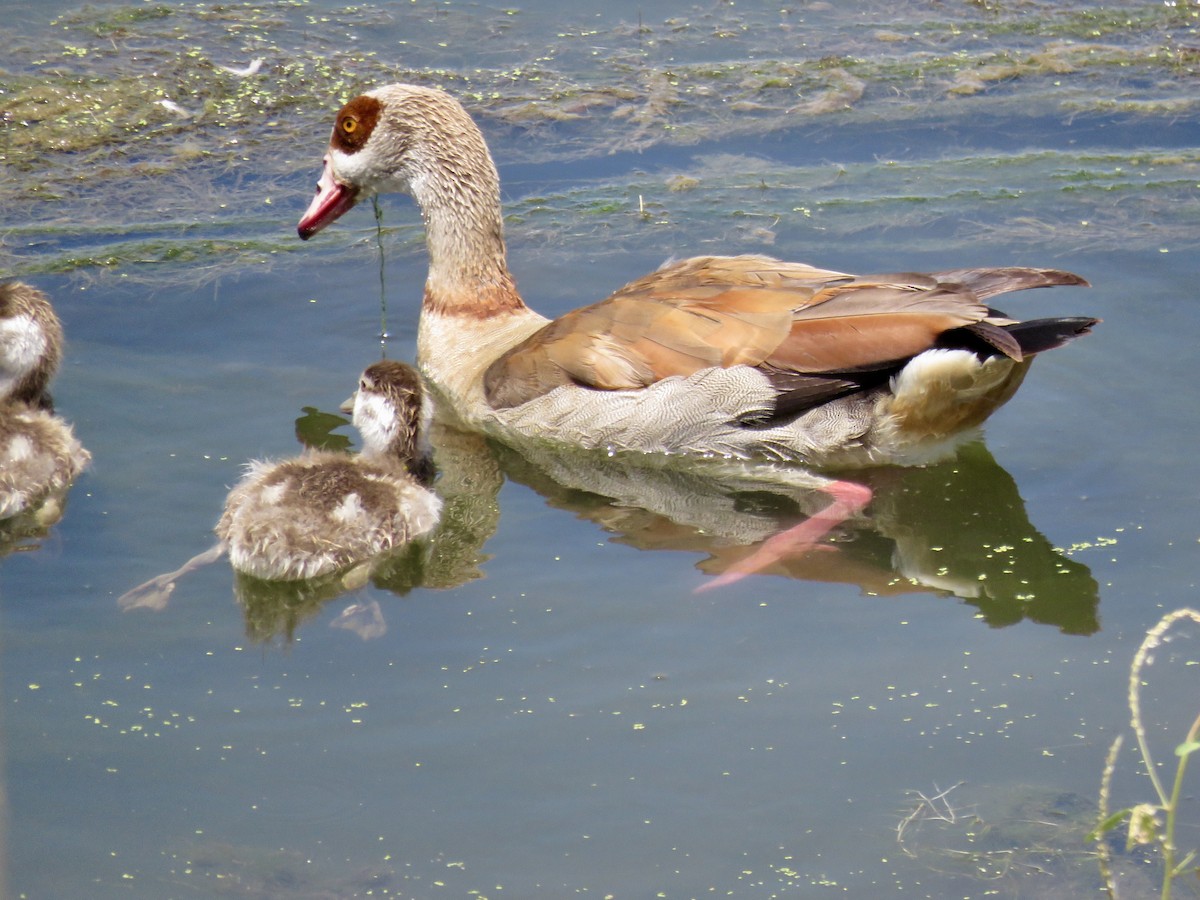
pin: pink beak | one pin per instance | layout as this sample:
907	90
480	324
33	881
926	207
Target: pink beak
332	199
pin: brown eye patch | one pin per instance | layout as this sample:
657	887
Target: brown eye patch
355	122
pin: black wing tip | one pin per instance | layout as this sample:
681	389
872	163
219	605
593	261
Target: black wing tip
1040	335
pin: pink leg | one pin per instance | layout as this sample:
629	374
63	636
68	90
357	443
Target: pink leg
848	499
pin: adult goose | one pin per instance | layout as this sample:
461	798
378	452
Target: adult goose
735	357
39	453
745	357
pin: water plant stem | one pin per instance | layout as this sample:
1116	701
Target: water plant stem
1141	819
1152	640
383	332
1104	855
1183	751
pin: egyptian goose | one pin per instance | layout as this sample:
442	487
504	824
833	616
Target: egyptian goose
744	356
325	511
39	453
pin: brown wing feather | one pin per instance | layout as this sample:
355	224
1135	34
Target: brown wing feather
985	283
633	340
867	324
720	273
750	310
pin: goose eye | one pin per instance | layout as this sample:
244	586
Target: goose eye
355	122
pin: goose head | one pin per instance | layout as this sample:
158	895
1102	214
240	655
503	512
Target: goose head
402	138
30	344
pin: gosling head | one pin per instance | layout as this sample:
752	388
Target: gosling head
31	341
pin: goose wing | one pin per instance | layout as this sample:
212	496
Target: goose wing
814	332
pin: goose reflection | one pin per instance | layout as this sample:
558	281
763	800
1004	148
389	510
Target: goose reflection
958	529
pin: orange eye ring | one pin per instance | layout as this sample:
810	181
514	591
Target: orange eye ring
349	124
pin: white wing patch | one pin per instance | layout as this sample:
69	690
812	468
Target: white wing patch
350	509
19	449
274	494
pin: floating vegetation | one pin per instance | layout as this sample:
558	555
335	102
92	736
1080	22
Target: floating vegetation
226	870
1018	840
181	122
1109	199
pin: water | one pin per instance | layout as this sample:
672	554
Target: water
551	710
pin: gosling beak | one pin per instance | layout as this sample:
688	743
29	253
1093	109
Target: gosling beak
348	404
332	199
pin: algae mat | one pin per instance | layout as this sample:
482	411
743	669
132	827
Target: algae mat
189	135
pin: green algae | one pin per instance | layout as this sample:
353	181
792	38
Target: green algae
1107	199
173	117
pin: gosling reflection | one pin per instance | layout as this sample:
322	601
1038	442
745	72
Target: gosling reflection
273	610
958	528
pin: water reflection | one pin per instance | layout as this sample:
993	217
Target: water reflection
273	610
27	530
958	529
955	529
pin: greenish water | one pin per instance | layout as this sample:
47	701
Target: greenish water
542	707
